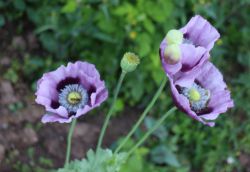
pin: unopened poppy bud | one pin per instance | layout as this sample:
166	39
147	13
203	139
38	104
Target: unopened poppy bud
129	62
174	37
172	54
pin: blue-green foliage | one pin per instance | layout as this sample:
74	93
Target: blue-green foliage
101	161
100	31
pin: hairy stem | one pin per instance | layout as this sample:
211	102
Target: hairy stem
69	139
144	114
111	109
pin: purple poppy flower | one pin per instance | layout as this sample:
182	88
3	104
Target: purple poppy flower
202	96
70	92
188	48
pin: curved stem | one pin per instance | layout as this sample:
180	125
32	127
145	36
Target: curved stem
158	123
69	139
144	114
105	125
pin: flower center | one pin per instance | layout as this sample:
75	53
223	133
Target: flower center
194	95
73	97
198	97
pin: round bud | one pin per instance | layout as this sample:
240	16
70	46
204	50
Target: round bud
174	37
194	95
172	54
129	62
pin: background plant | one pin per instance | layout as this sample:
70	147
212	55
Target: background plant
100	31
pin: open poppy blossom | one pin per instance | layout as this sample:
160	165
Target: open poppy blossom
202	96
70	92
188	48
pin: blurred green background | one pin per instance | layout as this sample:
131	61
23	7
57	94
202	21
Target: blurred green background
100	31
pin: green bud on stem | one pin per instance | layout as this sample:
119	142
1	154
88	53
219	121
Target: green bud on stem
129	62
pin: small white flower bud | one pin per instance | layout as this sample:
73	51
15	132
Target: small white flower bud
172	54
174	37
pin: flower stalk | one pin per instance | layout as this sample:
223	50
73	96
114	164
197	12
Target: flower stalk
129	63
69	139
144	114
110	112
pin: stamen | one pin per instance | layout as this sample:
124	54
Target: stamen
73	97
198	97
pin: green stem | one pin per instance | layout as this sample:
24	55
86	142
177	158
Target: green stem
144	114
69	139
108	116
158	123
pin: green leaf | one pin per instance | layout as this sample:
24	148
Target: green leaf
101	161
144	44
162	155
149	26
11	75
20	5
119	105
161	132
49	42
2	21
158	11
69	7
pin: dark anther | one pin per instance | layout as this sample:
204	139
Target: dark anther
186	36
204	111
72	114
54	104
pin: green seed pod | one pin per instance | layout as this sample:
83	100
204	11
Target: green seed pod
129	62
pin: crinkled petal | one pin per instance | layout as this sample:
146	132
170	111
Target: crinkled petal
88	69
201	32
60	111
55	118
211	78
47	89
192	56
193	59
220	100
